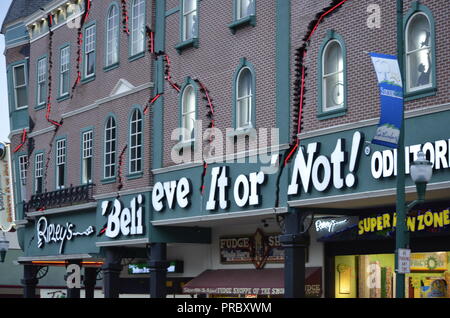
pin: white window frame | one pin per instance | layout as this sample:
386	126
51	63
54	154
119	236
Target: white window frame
187	15
185	113
23	169
87	153
16	87
241	98
89	48
41	78
137	27
64	70
136	135
325	107
111	165
61	155
112	36
38	171
409	53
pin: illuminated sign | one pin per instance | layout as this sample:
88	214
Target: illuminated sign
328	225
419	222
7	211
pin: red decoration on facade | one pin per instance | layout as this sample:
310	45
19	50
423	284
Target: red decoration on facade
168	76
85	16
119	172
151	40
301	73
150	103
125	18
23	140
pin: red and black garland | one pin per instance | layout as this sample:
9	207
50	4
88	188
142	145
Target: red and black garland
168	76
119	172
23	140
301	74
211	125
299	85
84	17
150	103
125	18
151	40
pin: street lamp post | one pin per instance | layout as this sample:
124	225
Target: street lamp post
421	172
4	246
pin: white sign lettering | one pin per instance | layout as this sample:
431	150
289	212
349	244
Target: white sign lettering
384	163
73	276
51	233
321	170
328	225
124	221
170	190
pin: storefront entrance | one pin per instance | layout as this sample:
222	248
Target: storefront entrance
373	276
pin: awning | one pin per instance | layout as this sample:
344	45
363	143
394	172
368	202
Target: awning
250	282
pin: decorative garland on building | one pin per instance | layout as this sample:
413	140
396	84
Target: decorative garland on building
23	140
168	76
299	86
84	17
119	170
151	40
301	74
150	103
125	17
50	69
210	115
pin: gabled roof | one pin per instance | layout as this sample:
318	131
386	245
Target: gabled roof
21	9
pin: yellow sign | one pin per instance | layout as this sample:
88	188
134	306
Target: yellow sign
415	223
429	261
7	214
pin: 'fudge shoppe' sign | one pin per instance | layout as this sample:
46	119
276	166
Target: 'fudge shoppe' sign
333	165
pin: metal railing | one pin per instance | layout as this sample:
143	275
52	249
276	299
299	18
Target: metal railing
60	198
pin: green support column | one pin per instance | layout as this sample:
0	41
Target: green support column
401	235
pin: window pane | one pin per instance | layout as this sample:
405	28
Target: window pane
19	75
41	92
90	64
418	33
244	112
22	97
189	5
334	90
245	84
137	27
333	58
112	36
245	8
419	68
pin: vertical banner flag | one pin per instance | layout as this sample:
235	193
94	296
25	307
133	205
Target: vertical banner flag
391	92
7	213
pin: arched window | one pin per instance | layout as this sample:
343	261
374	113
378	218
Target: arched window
112	36
188	116
333	82
135	142
244	99
419	52
110	147
137	26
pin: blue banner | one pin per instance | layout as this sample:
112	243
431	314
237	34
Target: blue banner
391	100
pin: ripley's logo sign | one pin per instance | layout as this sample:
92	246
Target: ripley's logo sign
56	233
125	221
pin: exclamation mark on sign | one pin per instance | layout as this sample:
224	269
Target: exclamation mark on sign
350	179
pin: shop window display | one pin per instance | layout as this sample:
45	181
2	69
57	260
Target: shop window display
373	276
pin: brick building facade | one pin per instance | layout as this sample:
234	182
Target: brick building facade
231	65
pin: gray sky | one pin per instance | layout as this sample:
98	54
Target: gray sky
4	114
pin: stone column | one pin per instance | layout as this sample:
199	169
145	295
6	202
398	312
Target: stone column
111	272
29	281
158	270
90	278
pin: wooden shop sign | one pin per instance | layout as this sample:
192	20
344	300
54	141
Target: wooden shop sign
257	249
